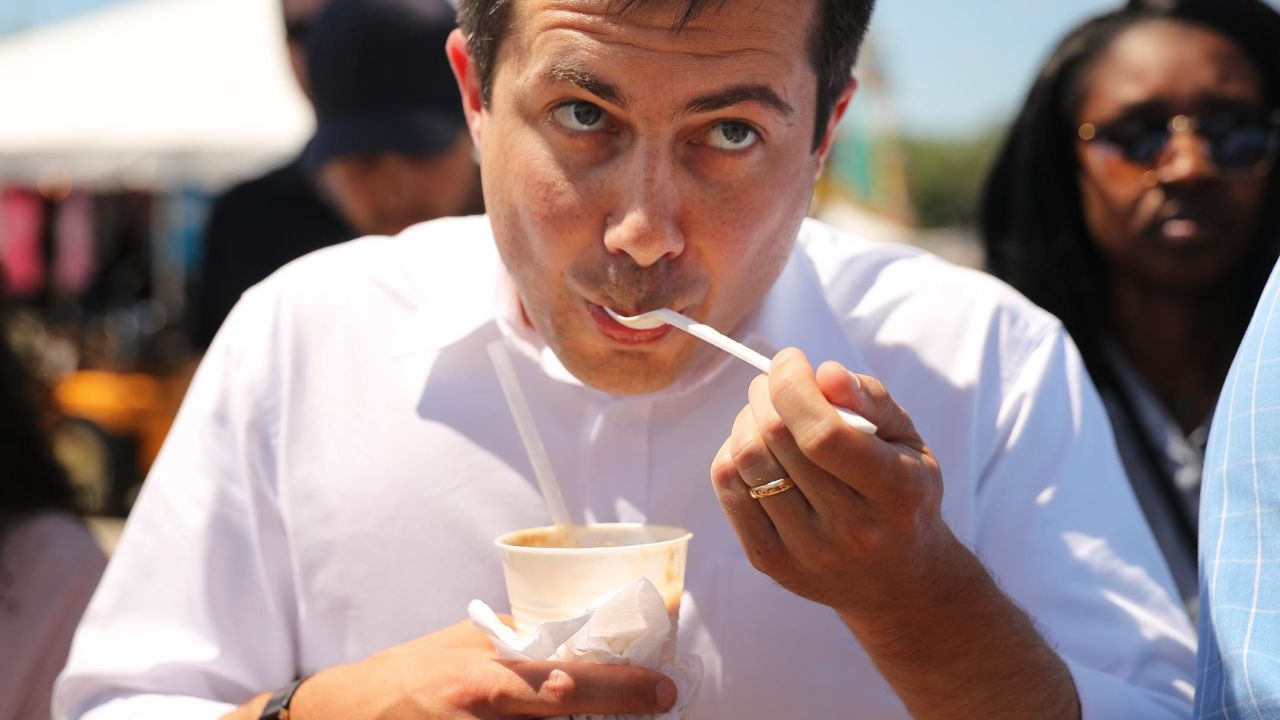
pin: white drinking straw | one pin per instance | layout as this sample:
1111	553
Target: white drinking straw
532	441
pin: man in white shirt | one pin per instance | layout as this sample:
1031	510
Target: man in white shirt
325	505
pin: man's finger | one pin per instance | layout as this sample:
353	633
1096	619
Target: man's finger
755	530
822	491
789	511
868	397
872	466
551	689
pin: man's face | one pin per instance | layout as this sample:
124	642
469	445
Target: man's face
625	166
385	193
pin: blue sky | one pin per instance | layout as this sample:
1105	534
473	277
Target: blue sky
953	66
18	14
956	66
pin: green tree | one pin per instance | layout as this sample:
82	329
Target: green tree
945	176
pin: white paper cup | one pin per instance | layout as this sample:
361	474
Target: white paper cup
547	581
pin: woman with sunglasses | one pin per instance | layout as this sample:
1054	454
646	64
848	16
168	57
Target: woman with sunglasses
1135	199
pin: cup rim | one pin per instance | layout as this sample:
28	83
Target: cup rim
681	535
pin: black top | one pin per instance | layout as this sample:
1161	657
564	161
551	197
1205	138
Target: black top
255	228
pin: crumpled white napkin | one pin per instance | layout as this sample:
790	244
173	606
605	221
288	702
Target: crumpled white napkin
625	627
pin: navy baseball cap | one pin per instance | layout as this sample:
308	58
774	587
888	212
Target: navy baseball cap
381	80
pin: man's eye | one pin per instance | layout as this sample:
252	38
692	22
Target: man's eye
580	116
732	135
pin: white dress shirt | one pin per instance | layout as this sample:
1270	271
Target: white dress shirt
344	460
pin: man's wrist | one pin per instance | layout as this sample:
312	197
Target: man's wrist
352	692
957	643
251	710
918	582
279	704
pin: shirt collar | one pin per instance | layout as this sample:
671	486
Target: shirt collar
796	313
475	310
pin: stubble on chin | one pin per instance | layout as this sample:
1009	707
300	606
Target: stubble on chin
620	371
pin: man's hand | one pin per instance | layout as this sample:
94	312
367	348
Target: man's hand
862	532
454	673
864	506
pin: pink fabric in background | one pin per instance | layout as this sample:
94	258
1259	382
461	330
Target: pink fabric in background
21	255
73	257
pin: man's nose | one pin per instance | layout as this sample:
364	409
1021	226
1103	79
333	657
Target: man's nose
645	222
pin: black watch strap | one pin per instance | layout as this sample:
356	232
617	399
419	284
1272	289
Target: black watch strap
278	706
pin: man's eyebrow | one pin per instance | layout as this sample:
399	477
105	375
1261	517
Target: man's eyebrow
737	95
585	79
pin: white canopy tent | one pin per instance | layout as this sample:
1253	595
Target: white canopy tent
150	94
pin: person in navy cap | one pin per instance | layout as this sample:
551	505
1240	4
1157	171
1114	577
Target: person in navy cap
390	149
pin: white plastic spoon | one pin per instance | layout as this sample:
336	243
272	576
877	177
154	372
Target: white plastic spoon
706	333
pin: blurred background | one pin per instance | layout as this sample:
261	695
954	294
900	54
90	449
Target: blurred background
122	119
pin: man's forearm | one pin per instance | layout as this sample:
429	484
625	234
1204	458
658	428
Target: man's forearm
962	649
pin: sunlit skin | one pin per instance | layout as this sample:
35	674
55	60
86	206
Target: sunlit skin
385	193
1181	69
621	170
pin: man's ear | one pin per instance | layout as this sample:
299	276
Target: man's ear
464	71
837	112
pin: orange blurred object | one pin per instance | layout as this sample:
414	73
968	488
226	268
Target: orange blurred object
124	404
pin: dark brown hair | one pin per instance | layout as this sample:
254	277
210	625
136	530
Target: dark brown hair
834	40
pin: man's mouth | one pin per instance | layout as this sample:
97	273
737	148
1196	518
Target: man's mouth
622	334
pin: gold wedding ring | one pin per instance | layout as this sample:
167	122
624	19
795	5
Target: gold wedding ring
780	485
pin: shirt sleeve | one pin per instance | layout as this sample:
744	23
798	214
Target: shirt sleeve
1059	528
1238	673
195	613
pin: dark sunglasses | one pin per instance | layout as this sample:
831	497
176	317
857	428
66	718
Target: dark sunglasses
1236	143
